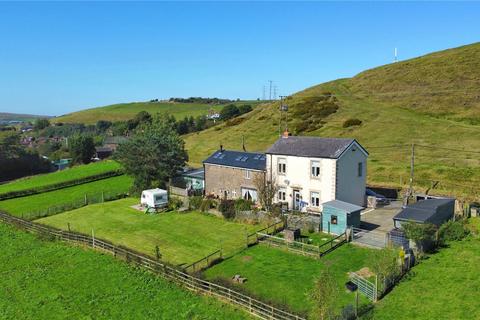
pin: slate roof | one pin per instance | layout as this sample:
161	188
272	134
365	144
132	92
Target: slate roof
424	210
345	206
310	147
239	159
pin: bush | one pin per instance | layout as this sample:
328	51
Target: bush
234	122
352	122
206	205
175	203
452	231
243	205
227	208
245	108
195	202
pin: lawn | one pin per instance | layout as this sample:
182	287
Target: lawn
24	205
69	174
444	286
51	280
182	238
286	278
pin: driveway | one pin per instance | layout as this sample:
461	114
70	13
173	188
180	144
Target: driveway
381	218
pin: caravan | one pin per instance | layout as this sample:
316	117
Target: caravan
154	198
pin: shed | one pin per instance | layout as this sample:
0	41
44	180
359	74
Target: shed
154	198
435	211
338	215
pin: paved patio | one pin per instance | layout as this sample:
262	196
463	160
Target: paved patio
381	218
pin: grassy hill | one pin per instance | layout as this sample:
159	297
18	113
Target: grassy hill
429	101
126	111
5	116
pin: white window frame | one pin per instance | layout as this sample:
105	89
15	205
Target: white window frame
317	167
313	203
282	170
248	174
283	192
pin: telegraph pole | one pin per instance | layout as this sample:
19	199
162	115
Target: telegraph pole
263	93
283	108
412	171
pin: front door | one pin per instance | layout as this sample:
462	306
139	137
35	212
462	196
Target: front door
297	198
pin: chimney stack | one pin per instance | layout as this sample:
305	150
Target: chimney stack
285	134
221	148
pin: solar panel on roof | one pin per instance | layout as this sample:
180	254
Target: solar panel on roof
221	156
244	159
238	158
257	157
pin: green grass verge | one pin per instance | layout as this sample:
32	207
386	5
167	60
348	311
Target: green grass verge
50	280
444	286
42	201
286	278
126	111
69	174
182	238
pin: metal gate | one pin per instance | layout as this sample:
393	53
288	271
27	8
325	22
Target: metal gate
370	238
369	289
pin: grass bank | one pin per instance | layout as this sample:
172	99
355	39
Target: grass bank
50	280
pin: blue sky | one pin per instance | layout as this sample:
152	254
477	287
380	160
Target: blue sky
60	57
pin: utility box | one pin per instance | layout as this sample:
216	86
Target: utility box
291	234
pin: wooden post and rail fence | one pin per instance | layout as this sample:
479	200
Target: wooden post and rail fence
251	305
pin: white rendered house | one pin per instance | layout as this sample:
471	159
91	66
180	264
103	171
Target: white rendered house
312	170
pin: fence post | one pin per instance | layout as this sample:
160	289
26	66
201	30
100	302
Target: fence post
86	200
103	197
93	239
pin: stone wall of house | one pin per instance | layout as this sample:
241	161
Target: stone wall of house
219	179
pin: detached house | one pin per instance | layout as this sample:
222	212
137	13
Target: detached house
312	170
231	174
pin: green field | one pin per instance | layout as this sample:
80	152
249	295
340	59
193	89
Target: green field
286	278
50	280
430	101
182	238
24	205
444	286
126	111
76	172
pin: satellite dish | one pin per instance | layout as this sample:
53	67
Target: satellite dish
287	182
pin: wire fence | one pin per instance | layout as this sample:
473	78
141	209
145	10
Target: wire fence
251	305
86	199
205	262
303	248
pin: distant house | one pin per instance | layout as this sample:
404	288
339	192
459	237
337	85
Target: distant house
434	211
114	141
231	174
103	152
312	170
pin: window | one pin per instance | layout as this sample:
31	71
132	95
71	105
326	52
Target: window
282	195
360	169
282	166
315	169
315	199
333	220
247	174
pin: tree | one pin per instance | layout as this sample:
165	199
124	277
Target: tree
103	125
154	154
143	117
229	111
386	266
266	190
82	148
244	108
41	124
324	295
423	234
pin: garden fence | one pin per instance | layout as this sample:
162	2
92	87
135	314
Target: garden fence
205	262
86	199
61	185
303	248
253	238
368	288
253	306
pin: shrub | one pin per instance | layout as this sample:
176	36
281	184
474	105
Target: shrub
245	108
195	202
421	234
243	205
234	122
352	122
452	231
175	203
227	208
206	205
